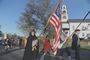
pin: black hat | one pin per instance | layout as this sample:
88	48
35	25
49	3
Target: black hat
33	30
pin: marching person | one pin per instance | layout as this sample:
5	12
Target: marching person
20	43
24	41
10	43
65	48
76	44
46	45
6	45
14	43
31	47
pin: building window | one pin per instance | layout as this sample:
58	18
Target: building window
88	36
88	24
64	8
83	34
73	27
64	11
88	27
64	17
84	28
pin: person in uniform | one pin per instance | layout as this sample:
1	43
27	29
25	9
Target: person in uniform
46	45
65	48
76	44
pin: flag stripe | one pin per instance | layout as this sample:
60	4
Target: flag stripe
56	27
54	15
57	36
53	25
55	22
57	19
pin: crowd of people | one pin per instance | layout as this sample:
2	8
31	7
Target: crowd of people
13	43
9	43
32	47
32	50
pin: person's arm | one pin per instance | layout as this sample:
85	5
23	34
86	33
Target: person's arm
76	39
34	42
37	47
43	44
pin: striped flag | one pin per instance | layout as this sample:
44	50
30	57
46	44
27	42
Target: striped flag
55	22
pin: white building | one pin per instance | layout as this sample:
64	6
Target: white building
5	36
72	24
84	27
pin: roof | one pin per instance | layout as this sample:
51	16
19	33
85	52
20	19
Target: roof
79	20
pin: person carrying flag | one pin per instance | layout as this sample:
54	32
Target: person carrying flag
65	48
76	44
46	45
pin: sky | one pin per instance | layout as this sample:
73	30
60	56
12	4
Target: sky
77	9
10	12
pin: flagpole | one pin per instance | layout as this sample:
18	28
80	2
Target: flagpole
80	23
53	12
50	17
76	28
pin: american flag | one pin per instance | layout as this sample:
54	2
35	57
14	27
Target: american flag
55	22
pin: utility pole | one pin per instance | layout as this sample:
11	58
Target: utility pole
0	27
0	33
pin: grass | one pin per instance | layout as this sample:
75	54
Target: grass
83	43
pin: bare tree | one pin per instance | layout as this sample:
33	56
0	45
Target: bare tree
34	15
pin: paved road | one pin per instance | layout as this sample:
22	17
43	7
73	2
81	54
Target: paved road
12	54
84	55
17	54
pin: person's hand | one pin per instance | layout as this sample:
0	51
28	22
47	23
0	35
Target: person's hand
34	48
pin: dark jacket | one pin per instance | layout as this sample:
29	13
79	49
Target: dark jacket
75	43
28	54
